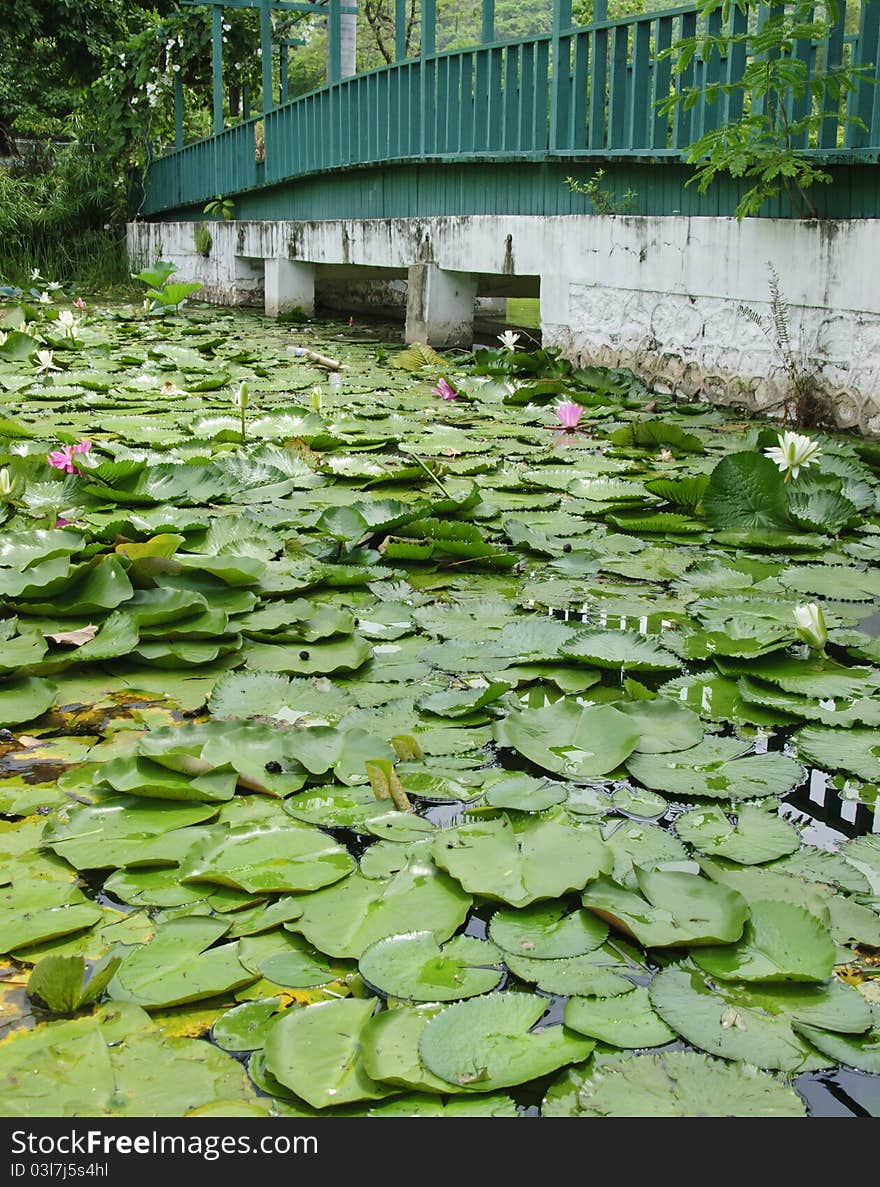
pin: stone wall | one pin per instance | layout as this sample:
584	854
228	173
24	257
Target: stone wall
666	296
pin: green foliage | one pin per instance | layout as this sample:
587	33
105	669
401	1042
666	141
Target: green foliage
220	206
203	241
783	100
161	295
603	200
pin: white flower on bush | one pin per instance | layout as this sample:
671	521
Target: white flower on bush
794	452
810	625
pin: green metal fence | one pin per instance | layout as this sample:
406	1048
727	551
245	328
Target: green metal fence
573	93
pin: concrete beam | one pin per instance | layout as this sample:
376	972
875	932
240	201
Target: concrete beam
440	306
290	285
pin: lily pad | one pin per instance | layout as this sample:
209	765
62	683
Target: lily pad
623	1021
716	769
780	942
569	739
539	859
315	1052
415	967
345	919
673	1084
755	1025
547	931
270	858
756	837
492	1042
670	909
179	965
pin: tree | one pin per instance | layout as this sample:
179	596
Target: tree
780	98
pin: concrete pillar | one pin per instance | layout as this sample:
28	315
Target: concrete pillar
290	284
440	306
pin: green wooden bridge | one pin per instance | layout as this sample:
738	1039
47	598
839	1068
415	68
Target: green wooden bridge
498	127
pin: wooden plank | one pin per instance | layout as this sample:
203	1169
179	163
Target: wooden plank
681	124
512	84
662	81
619	90
713	72
596	133
577	129
640	97
736	64
861	102
480	116
832	56
560	99
217	67
526	127
495	124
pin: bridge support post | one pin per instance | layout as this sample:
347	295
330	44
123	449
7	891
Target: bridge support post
440	306
290	284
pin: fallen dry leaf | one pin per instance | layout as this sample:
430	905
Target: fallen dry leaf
74	638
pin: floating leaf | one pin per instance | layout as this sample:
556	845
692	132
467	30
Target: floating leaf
570	740
780	942
415	967
673	1084
755	1025
491	1042
757	836
623	1021
315	1052
670	909
539	859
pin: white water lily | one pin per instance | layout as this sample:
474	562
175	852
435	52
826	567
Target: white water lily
67	322
35	274
3	337
7	483
793	452
46	361
44	299
810	624
240	397
509	339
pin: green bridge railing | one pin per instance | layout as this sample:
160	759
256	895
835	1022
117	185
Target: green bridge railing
574	93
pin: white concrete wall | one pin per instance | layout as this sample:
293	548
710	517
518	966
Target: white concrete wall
659	295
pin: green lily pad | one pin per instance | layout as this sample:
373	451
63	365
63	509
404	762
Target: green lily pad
244	1027
547	931
570	740
416	968
663	725
114	1063
672	1084
716	769
32	912
858	1051
669	909
757	836
345	919
626	1020
600	973
492	1042
124	831
755	1025
24	699
538	859
780	942
315	1052
389	1047
620	649
525	793
179	965
271	858
855	750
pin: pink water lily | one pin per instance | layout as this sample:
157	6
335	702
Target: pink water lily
569	414
444	390
79	303
63	458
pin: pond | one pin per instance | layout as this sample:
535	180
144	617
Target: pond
434	735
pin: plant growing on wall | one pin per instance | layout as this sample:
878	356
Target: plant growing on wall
782	98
